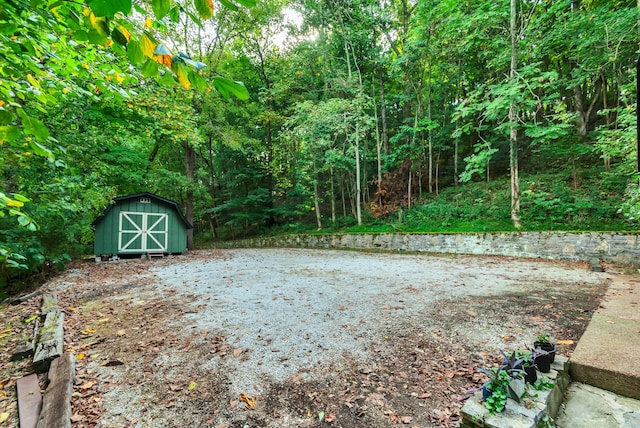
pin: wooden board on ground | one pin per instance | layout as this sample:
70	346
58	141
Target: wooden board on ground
27	344
56	406
50	341
49	303
25	297
29	400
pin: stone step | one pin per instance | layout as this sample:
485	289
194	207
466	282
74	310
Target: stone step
587	406
607	354
542	405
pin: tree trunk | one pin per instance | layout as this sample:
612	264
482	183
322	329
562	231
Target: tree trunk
190	164
513	117
409	181
383	114
430	134
333	199
455	162
316	202
358	187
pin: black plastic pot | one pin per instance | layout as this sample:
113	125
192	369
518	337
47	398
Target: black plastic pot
543	363
531	375
547	347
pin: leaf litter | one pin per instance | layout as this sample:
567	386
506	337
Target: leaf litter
156	348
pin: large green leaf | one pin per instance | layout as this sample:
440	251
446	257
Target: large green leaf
197	81
150	68
174	14
227	87
248	3
6	117
167	80
109	7
9	133
160	8
134	52
33	126
204	8
40	150
119	37
228	4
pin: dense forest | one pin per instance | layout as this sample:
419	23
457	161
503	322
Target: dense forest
271	116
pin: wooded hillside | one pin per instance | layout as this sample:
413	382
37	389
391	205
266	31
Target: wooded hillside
350	112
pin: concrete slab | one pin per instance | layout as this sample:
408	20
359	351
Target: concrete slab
587	407
607	354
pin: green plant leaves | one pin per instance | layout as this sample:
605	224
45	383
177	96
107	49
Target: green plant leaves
248	3
150	68
33	126
226	87
134	52
109	7
204	8
9	133
228	5
161	8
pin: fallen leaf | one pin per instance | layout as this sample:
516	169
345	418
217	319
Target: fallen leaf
565	342
472	313
248	401
320	416
103	320
405	419
4	417
88	331
330	418
77	418
87	385
192	386
233	404
120	333
237	352
537	319
31	318
79	357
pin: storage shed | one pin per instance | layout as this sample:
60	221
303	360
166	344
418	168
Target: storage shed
143	223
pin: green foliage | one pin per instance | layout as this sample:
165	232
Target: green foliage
497	386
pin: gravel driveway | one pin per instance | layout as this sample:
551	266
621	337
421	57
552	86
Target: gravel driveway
271	322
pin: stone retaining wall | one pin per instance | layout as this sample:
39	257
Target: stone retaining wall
604	246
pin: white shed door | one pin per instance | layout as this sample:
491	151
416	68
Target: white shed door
142	232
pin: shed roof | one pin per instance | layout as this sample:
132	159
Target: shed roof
140	195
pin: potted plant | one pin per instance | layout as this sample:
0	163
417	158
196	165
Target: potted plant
542	342
528	365
495	390
544	352
504	382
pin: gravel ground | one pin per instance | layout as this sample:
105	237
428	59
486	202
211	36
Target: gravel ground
309	306
313	337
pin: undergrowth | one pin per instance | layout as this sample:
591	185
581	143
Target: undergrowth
586	201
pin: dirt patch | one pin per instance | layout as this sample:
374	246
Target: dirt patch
296	338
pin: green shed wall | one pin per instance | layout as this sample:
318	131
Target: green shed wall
106	233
